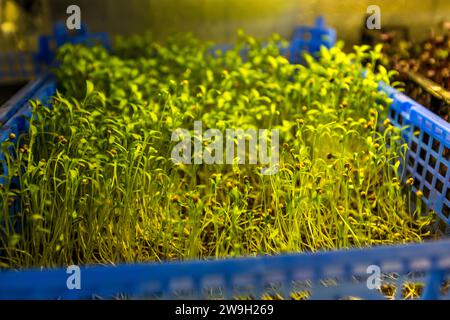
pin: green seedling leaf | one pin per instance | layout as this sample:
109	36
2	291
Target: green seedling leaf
89	88
37	217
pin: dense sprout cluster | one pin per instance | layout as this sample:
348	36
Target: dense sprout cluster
98	184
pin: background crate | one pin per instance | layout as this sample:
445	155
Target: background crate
305	39
22	66
327	275
310	40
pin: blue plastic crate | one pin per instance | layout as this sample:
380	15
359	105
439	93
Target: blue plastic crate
428	155
61	35
310	40
323	275
15	113
327	275
23	66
